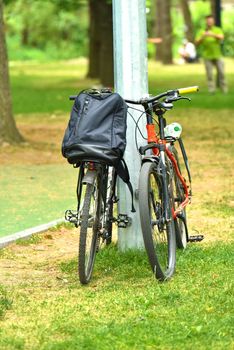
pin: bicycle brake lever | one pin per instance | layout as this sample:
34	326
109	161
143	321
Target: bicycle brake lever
184	98
174	99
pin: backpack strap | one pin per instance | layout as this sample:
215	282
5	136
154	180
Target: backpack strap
122	171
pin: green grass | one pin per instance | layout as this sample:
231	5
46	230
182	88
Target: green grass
5	302
45	87
162	78
34	239
124	307
36	194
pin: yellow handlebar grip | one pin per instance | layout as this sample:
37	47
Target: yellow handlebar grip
188	90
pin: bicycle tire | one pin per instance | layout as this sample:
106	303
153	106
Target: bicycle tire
89	229
162	266
178	194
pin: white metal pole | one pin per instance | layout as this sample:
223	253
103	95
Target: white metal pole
131	81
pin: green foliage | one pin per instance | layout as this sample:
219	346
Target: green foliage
57	29
228	27
46	29
199	9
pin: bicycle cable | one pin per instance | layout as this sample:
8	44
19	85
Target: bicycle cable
137	126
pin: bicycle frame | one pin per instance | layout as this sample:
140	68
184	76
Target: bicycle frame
152	138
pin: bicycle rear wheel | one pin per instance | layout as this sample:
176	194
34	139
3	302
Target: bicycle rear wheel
89	229
158	234
179	195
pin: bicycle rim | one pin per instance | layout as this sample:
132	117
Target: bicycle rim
89	228
159	236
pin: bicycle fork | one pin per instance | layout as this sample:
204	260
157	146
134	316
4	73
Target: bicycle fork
163	170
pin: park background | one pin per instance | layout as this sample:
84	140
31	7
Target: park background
54	51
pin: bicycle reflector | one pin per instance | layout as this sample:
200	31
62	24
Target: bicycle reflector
188	90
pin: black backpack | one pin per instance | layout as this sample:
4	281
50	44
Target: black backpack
97	131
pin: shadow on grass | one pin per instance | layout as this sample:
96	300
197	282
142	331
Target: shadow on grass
200	264
111	263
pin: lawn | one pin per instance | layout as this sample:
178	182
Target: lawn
41	107
43	306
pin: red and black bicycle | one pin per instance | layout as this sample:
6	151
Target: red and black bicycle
163	191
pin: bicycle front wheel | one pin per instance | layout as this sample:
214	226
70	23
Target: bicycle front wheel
89	230
157	228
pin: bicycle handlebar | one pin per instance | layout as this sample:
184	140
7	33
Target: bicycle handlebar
168	93
188	90
147	100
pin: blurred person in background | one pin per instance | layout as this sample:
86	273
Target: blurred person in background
188	52
209	40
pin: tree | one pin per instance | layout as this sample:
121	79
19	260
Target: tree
216	11
187	19
8	131
166	32
106	52
94	39
101	42
159	28
163	30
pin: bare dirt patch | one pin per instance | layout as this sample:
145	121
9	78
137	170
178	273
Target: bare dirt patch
38	262
42	145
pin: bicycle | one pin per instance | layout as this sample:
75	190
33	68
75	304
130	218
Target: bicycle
96	193
95	198
163	191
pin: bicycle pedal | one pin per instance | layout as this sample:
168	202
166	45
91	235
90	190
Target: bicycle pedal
196	238
123	221
71	216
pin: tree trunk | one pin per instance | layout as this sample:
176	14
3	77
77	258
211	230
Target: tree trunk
24	36
187	19
94	39
8	130
166	32
101	42
159	28
106	49
216	11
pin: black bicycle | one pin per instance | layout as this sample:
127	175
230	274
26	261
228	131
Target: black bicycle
95	199
94	142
